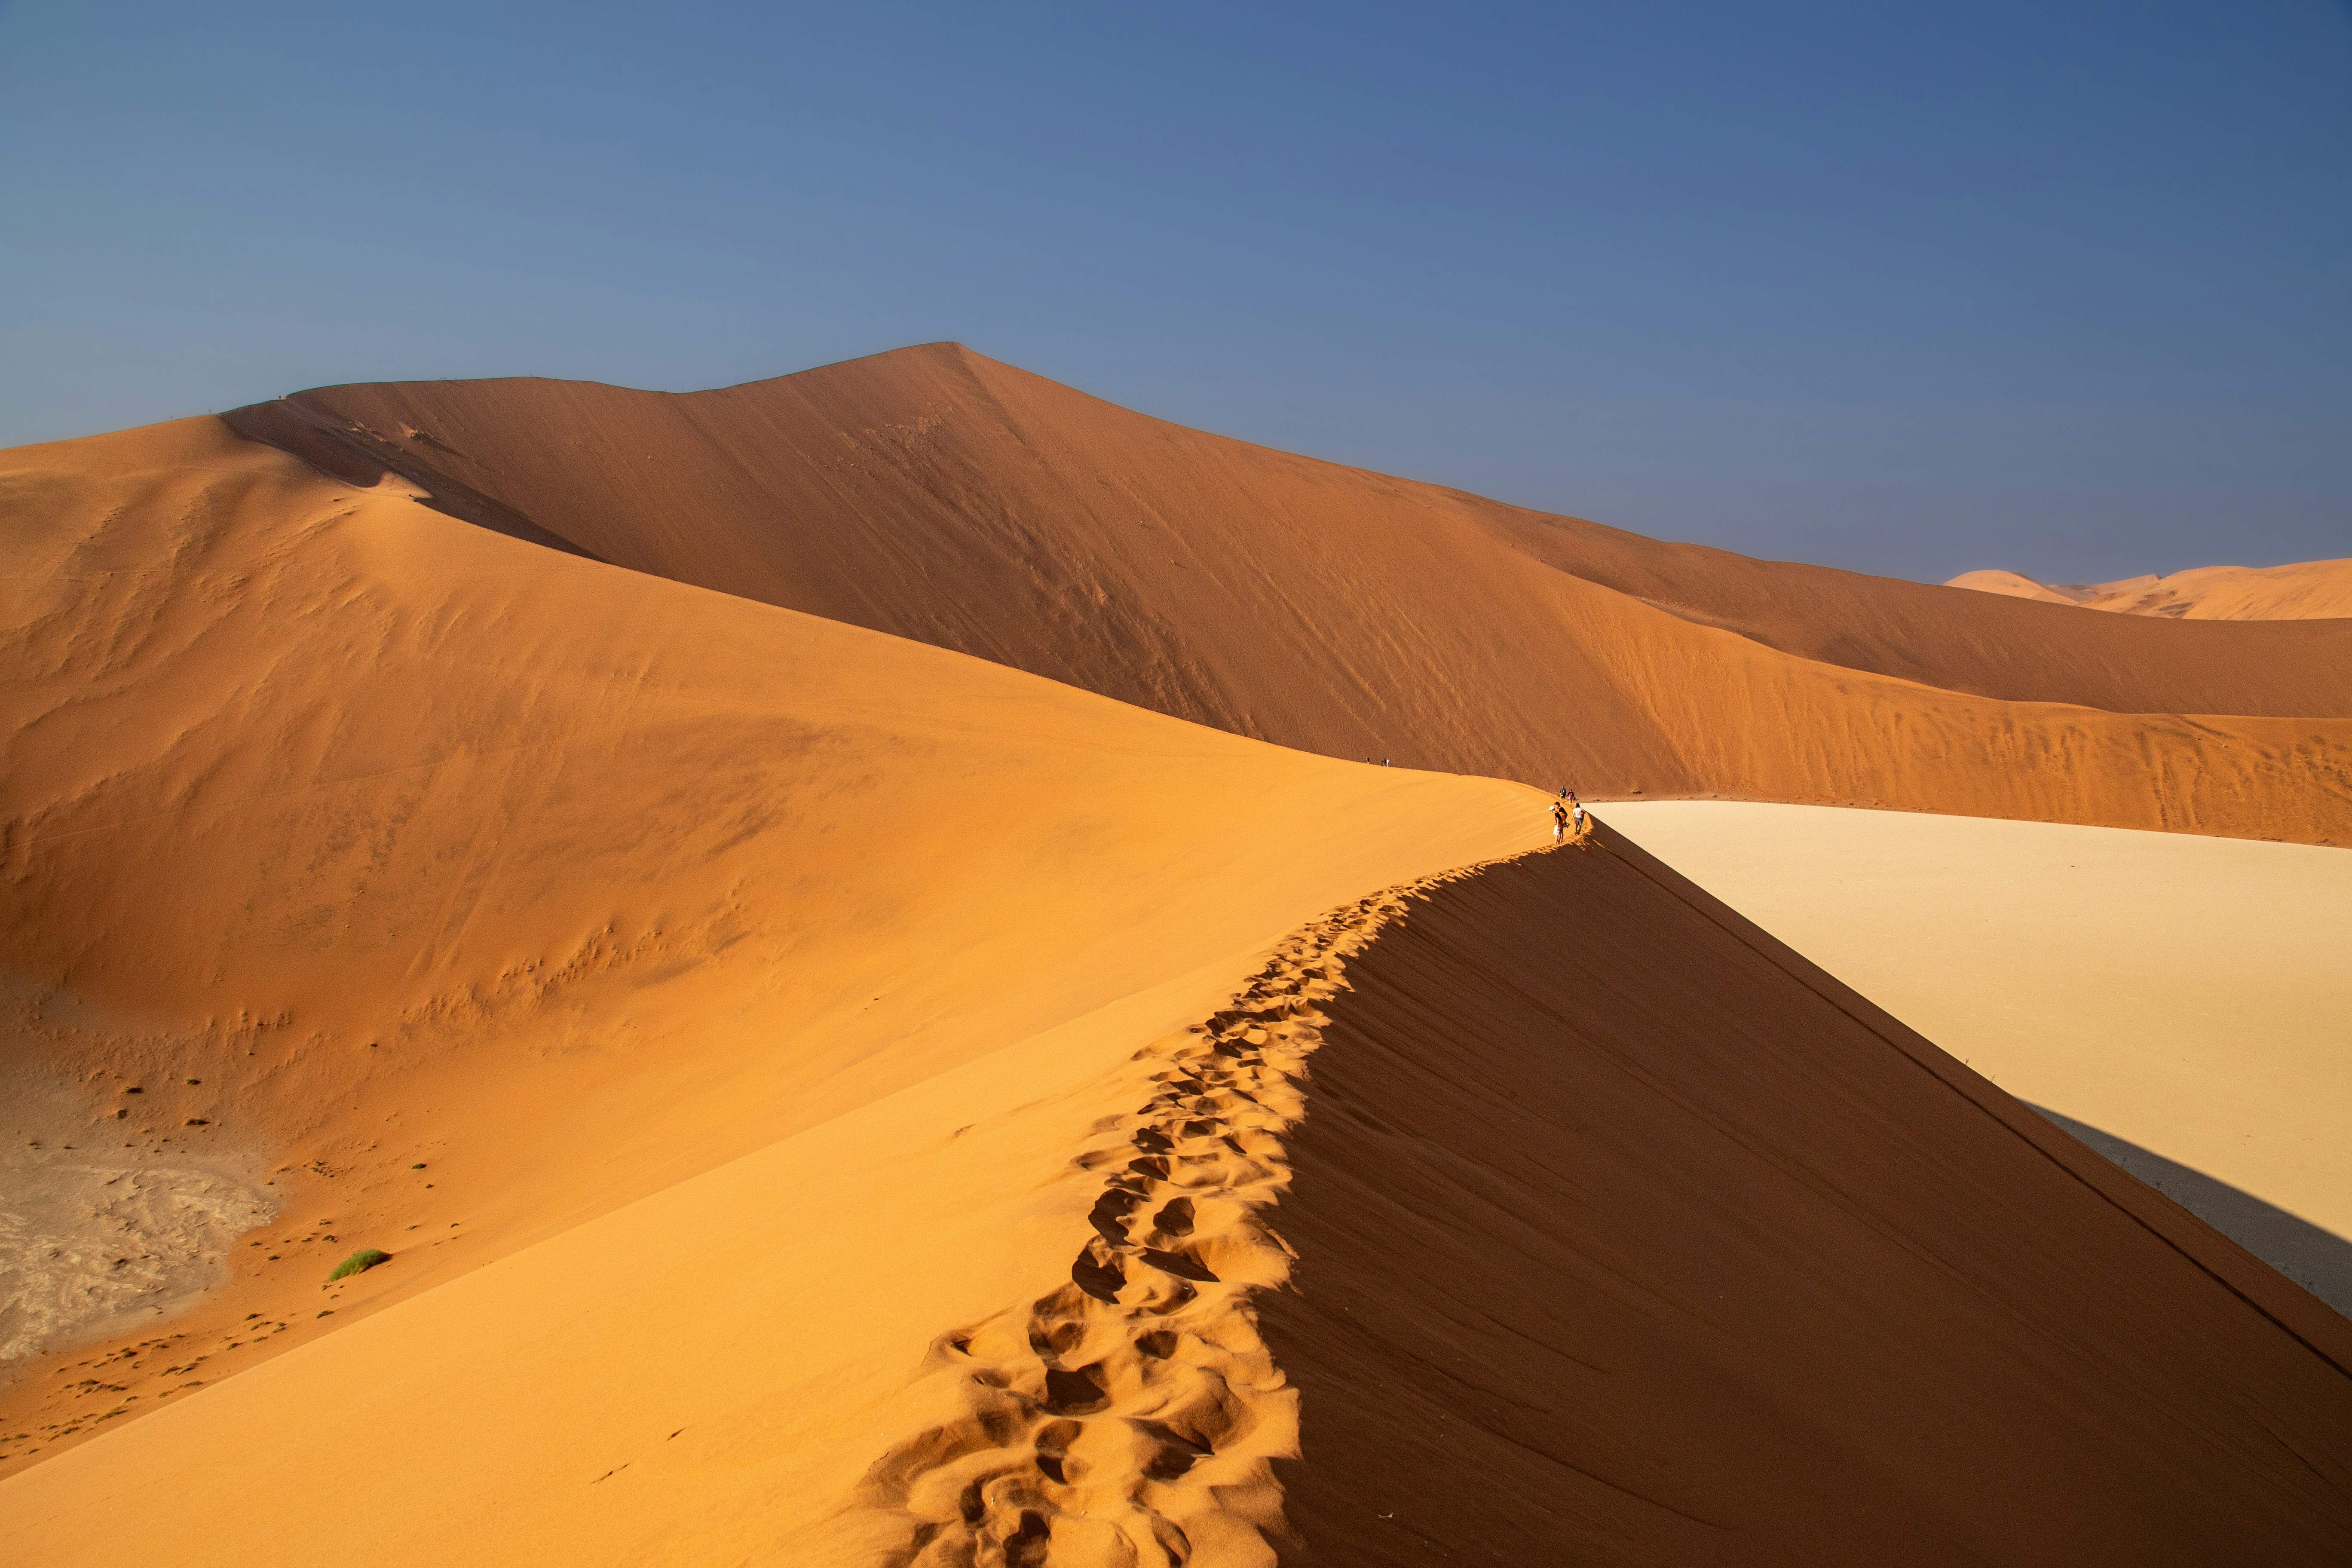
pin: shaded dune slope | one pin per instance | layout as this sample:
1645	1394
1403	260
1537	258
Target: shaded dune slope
1625	1236
2183	996
938	495
468	889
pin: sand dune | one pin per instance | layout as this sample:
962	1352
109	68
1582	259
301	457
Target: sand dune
769	1363
829	1099
463	889
2306	590
2184	997
1669	1248
1674	1251
2013	585
938	495
1133	1413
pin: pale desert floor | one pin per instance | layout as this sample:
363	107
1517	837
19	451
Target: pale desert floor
2182	1004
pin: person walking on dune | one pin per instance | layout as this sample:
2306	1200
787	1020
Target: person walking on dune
1576	813
1560	817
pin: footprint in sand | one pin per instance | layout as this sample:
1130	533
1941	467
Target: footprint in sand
1131	1416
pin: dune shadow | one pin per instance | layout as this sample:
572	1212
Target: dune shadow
2319	1260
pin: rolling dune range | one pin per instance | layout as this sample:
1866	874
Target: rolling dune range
830	1098
938	495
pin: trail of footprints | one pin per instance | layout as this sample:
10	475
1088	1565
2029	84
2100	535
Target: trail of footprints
1131	1416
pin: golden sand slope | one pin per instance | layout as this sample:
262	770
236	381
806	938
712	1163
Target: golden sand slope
2186	995
866	1344
462	890
2306	590
1133	1413
938	495
2014	585
709	1375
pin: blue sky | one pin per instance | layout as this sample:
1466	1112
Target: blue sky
2060	287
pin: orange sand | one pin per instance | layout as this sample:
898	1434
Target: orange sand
2306	590
417	845
939	495
535	839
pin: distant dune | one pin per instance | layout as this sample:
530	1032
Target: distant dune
938	495
2307	590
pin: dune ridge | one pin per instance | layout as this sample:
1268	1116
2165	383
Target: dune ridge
2183	996
2303	590
1127	1414
938	495
465	891
1131	1415
1654	1226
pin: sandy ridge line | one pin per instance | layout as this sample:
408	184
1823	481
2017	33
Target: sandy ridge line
1131	1416
2031	1128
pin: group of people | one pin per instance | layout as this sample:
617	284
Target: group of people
1566	812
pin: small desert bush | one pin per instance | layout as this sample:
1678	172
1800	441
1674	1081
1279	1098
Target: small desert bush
359	1262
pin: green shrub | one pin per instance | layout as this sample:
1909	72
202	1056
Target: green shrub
359	1262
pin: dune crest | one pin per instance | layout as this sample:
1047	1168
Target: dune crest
1131	1416
1670	1249
2185	996
2014	585
473	890
938	495
2305	590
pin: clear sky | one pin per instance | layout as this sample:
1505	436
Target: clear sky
2060	287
